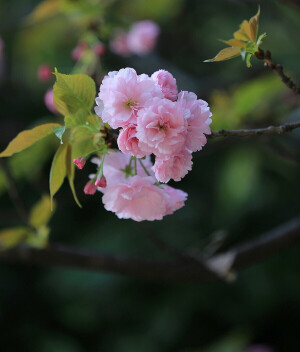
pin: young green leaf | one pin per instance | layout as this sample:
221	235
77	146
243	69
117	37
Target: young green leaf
59	131
225	54
71	174
13	236
41	212
73	92
58	170
39	239
27	138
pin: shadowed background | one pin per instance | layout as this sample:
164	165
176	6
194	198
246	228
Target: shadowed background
239	187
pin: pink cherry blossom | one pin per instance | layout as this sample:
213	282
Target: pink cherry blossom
48	99
174	166
90	188
142	37
99	49
161	127
198	120
79	162
114	167
135	198
119	44
122	94
167	83
128	143
44	73
175	199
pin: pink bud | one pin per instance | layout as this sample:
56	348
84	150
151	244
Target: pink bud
79	50
48	99
44	73
99	49
101	182
79	162
90	188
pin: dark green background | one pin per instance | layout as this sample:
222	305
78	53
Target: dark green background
242	186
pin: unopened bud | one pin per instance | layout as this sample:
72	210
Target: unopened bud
90	188
79	162
101	182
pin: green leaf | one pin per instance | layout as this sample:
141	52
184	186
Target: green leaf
41	212
58	170
13	236
27	138
59	131
225	54
39	239
77	119
71	174
73	92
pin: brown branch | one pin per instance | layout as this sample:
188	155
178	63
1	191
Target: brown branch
13	192
287	127
277	68
244	255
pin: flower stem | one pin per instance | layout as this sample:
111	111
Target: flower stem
144	168
135	169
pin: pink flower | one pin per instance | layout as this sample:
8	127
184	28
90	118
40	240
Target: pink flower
135	198
78	51
99	49
101	182
167	83
44	73
115	164
90	188
161	127
48	99
128	143
198	119
122	94
175	199
174	166
79	162
119	44
142	37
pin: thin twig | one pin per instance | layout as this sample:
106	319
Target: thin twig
277	68
249	253
13	192
287	127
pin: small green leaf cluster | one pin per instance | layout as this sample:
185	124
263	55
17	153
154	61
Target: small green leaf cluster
245	42
35	233
79	136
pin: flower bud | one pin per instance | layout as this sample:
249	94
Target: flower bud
90	188
79	162
44	73
101	182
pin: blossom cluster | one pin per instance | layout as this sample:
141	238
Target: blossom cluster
130	194
140	39
154	119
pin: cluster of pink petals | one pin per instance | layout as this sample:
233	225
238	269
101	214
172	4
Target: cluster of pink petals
140	39
137	197
77	53
155	119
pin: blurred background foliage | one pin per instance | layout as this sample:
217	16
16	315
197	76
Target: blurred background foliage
241	187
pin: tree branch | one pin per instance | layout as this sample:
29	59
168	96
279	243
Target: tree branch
278	69
287	127
244	255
